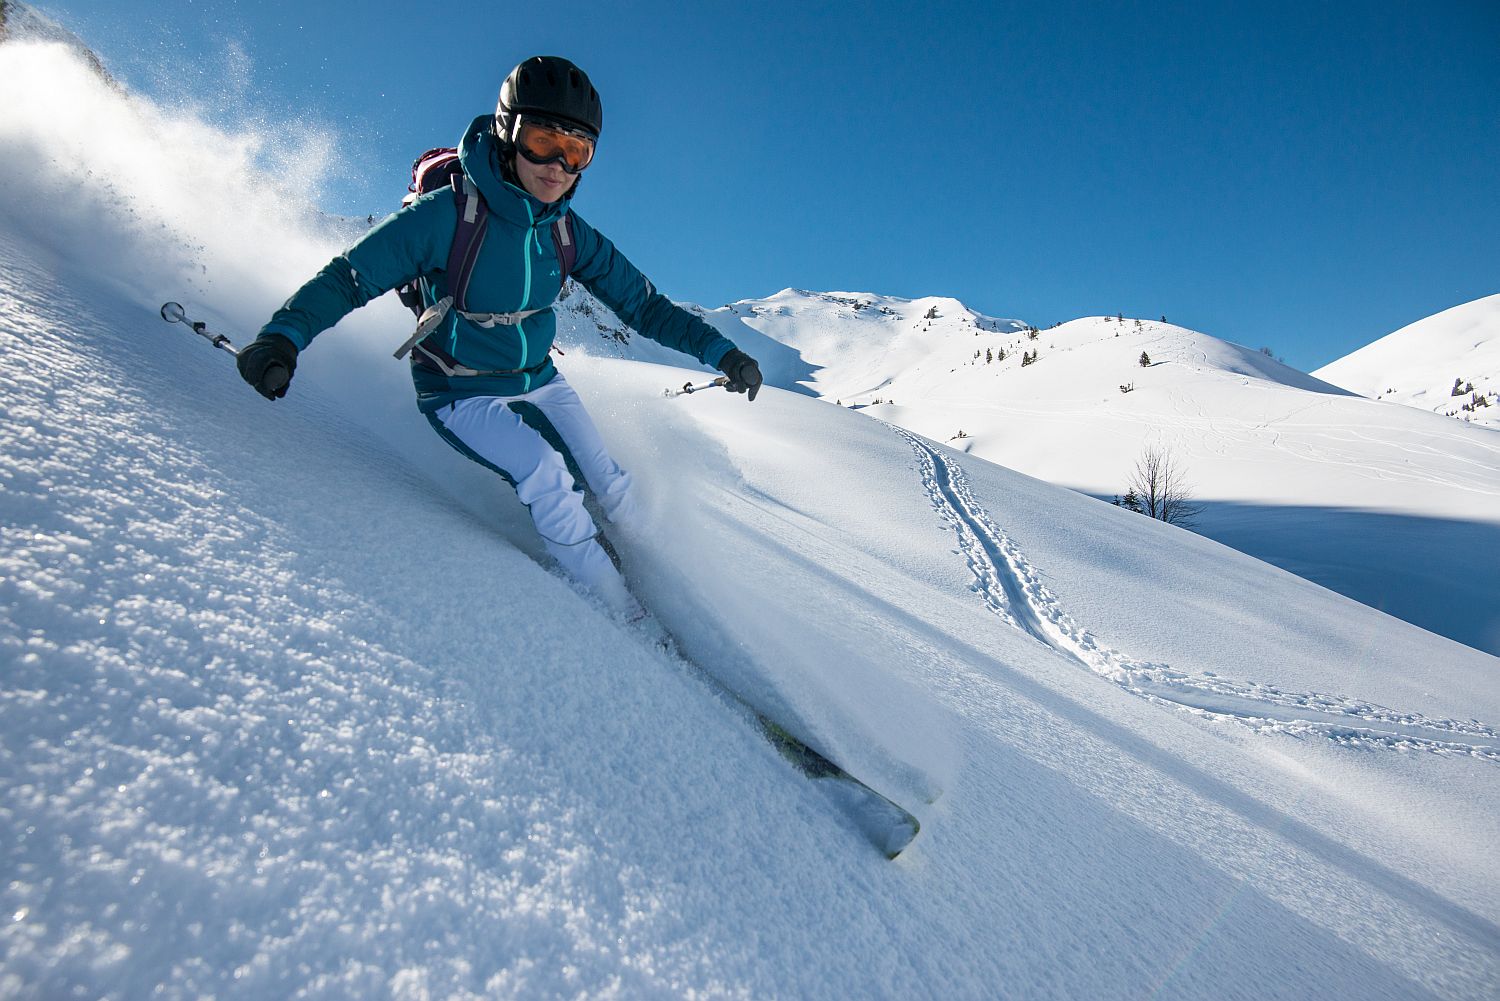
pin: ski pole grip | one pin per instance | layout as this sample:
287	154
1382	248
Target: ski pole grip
276	377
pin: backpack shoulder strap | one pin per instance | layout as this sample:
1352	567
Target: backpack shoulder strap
468	236
567	245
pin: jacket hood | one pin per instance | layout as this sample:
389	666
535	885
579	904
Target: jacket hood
479	153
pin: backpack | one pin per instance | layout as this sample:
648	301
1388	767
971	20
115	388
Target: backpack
438	168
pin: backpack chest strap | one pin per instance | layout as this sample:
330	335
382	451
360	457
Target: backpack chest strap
434	315
500	319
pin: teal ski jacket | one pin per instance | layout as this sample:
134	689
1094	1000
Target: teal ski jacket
518	269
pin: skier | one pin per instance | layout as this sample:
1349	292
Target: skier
485	380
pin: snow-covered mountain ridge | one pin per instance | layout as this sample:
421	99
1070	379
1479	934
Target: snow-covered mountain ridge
783	331
1448	363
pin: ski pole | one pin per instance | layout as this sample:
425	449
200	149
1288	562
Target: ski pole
688	388
172	312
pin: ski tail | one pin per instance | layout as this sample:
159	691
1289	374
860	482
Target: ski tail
889	826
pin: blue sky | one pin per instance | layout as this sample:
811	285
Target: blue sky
1300	175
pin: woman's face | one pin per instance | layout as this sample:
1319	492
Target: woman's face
547	181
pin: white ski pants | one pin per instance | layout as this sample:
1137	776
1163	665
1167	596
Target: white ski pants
528	440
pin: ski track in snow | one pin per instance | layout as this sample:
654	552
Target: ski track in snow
1013	589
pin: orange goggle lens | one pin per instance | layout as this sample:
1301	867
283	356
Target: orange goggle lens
545	144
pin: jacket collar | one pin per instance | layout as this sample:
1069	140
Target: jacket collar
479	154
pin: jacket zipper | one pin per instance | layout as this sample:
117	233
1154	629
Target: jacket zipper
526	298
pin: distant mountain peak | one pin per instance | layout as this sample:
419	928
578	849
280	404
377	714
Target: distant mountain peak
1447	363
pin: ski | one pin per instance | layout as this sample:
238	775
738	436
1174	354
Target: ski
890	827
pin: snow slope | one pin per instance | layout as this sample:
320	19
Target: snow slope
1446	363
1385	504
288	708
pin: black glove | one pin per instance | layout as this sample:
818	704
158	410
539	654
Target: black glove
743	372
268	364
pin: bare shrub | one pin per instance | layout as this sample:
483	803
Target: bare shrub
1160	485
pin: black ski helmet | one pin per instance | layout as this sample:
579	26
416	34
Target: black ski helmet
550	87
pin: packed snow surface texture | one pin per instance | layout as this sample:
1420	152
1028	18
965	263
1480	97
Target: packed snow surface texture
288	707
1448	364
1394	507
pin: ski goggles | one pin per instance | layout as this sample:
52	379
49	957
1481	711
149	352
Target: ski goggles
544	142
